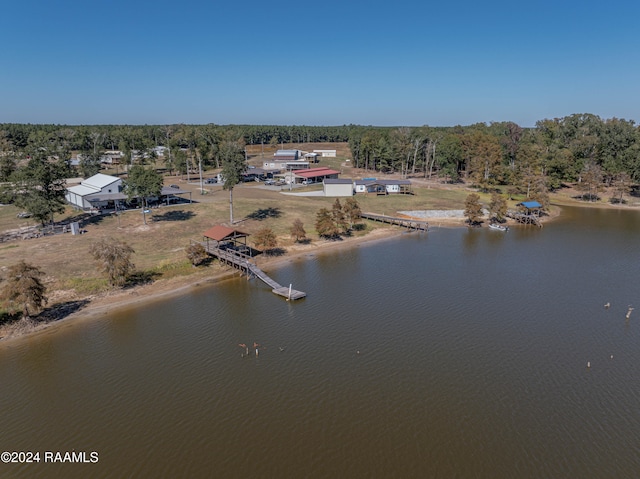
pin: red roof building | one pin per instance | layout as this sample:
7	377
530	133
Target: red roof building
317	175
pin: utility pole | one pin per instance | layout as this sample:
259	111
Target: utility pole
188	156
200	168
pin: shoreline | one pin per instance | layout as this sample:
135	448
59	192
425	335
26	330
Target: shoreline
161	290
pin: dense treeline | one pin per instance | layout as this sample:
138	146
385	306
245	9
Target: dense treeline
120	137
580	148
561	150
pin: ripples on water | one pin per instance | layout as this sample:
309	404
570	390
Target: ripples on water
453	354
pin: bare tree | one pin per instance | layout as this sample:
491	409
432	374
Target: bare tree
430	151
591	181
511	142
621	186
115	258
297	230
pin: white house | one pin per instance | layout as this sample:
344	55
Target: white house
396	186
382	187
160	150
111	157
364	185
311	157
285	165
326	153
93	188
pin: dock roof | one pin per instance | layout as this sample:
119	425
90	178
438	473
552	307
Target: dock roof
221	233
530	204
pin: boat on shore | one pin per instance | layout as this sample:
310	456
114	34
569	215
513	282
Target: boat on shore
496	226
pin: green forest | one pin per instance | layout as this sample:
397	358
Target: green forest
582	149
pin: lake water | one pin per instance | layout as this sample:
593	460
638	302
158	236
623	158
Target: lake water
456	353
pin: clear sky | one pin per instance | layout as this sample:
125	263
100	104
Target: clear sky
317	63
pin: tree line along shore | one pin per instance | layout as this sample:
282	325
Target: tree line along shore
495	160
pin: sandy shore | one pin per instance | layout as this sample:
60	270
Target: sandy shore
101	305
164	289
161	290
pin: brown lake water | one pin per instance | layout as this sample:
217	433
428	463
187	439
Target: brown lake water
455	353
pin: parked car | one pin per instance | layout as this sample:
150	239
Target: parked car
24	214
174	186
210	181
269	182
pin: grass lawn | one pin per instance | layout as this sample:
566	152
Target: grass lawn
160	245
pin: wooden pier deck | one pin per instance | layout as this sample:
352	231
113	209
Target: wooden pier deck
276	288
524	218
404	222
243	263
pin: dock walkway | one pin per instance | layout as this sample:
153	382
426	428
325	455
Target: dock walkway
243	262
404	222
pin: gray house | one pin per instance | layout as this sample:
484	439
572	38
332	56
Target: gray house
337	187
286	155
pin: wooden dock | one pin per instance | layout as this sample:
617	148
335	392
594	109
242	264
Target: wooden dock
523	218
284	291
404	222
244	263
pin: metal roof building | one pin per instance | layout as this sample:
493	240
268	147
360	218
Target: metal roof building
530	205
97	184
337	187
286	155
316	175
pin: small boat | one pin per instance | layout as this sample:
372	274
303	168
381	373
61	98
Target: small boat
495	226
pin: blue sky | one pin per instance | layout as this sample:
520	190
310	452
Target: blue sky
325	63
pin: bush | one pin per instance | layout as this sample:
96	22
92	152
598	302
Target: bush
197	254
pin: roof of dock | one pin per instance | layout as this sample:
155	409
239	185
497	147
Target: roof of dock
221	232
530	204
